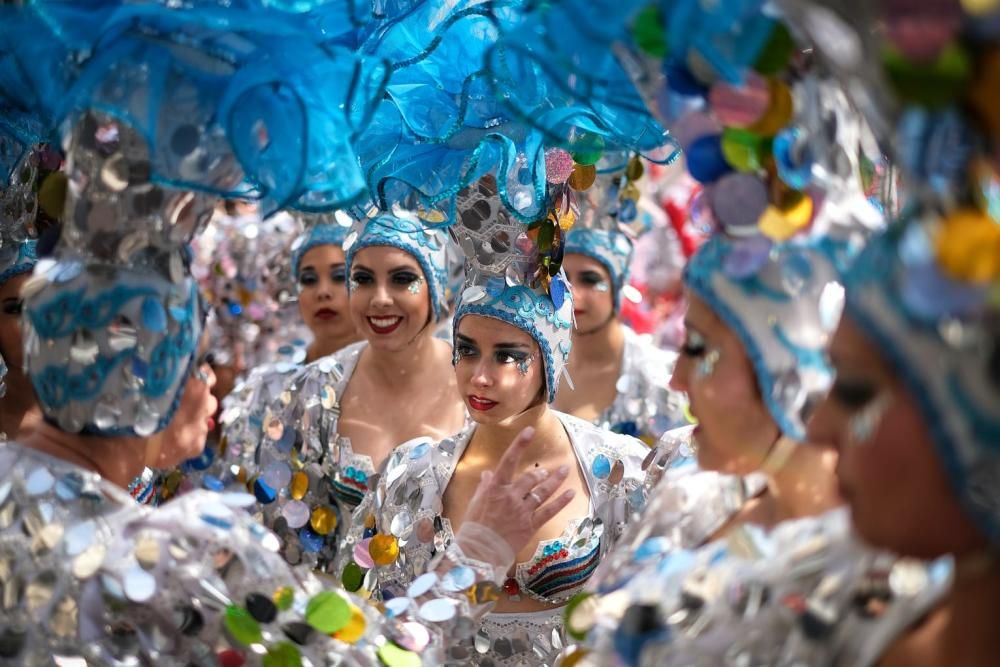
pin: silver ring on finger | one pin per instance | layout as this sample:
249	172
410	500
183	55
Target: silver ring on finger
534	496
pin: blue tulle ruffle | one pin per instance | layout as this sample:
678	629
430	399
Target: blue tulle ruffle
243	99
452	114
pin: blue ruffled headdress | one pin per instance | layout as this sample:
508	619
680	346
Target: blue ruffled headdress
513	275
701	69
455	113
245	100
402	230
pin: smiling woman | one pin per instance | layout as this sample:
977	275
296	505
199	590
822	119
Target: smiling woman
342	415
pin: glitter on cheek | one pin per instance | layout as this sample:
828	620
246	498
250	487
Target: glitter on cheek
706	366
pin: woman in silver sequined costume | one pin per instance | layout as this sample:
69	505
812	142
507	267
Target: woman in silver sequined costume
620	380
511	345
334	422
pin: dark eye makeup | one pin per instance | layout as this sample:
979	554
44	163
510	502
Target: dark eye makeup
12	306
853	394
694	344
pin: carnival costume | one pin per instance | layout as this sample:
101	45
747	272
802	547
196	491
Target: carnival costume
644	406
306	477
807	592
18	208
253	294
397	530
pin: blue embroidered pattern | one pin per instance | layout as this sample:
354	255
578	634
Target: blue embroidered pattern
530	305
700	283
56	387
806	357
70	311
611	248
165	359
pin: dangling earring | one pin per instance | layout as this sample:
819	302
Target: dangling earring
862	425
706	366
414	287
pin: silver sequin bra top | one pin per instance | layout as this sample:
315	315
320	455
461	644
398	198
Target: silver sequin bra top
644	407
399	529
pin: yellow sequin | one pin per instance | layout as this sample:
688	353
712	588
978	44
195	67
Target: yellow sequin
355	628
384	549
968	246
583	177
323	520
778	114
283	598
299	485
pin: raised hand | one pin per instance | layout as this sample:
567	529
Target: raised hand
515	506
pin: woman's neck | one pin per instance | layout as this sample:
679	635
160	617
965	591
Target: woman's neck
19	411
399	369
804	486
323	347
118	460
604	345
490	441
973	604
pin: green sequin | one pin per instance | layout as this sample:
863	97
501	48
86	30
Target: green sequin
241	626
393	656
284	597
282	654
352	577
777	52
588	148
648	32
328	612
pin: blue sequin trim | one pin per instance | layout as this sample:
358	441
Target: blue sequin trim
805	357
319	235
27	257
56	387
600	245
700	282
530	305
